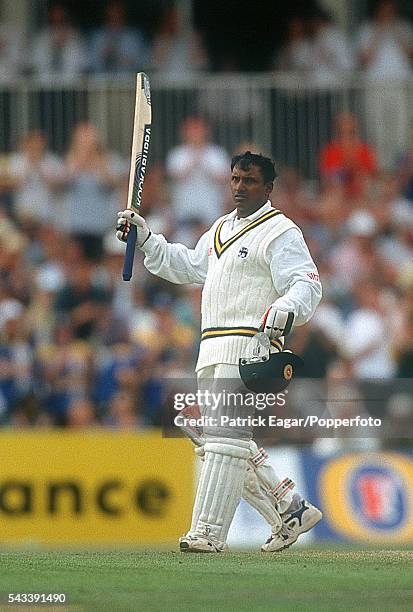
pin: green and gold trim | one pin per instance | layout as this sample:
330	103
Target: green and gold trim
249	332
221	247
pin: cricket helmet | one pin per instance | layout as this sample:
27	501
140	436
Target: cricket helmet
270	374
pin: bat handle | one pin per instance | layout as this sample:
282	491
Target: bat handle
129	254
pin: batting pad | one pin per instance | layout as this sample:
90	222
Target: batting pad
220	487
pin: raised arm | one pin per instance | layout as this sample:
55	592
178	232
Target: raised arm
173	262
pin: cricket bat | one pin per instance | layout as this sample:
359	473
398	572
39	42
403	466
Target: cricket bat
139	161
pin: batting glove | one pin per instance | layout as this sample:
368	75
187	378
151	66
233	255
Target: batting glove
125	218
276	323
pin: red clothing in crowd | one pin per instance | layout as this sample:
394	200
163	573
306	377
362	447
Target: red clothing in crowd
348	165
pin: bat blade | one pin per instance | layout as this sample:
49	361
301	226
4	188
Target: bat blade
139	161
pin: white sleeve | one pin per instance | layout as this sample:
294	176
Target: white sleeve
294	275
175	262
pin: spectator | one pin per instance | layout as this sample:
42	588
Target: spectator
117	48
11	57
347	159
330	58
93	176
120	367
64	367
177	49
331	210
197	170
388	203
165	336
385	46
296	51
354	257
50	273
81	302
15	274
293	197
34	175
364	342
29	412
57	53
81	415
122	415
16	359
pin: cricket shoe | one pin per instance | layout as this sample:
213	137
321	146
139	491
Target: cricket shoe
296	522
197	544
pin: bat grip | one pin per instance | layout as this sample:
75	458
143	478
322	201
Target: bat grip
129	253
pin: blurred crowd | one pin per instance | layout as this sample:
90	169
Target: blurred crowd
61	52
310	43
381	48
80	348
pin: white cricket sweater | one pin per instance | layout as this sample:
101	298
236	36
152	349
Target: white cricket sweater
245	265
238	287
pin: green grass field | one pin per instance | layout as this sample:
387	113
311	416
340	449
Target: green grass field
304	580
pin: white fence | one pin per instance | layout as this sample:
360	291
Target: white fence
276	112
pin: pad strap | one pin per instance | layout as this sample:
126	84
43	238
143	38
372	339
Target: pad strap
281	489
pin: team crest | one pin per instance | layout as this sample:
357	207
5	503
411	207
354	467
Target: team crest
243	252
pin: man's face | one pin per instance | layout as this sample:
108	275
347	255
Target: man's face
248	189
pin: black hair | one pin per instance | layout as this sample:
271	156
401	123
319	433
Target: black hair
265	164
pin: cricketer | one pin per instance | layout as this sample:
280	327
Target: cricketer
256	272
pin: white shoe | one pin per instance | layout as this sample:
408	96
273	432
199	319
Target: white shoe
294	524
198	544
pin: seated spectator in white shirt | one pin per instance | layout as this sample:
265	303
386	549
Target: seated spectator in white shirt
198	170
330	57
11	59
385	44
295	52
117	48
58	52
177	48
354	256
94	177
34	176
366	335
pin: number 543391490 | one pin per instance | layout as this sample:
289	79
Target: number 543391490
56	598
